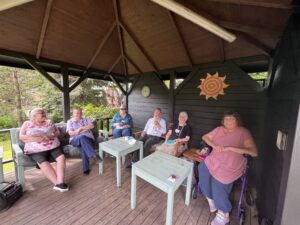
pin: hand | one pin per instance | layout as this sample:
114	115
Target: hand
177	140
156	124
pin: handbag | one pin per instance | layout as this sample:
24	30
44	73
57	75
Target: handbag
9	194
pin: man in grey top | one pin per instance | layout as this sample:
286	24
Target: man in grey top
151	135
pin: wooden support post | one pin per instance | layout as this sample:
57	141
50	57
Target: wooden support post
65	93
171	96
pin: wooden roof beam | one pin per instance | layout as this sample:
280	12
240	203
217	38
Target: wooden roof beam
101	45
249	29
132	36
116	10
8	4
254	3
118	84
180	37
196	18
78	81
256	43
44	27
114	64
128	59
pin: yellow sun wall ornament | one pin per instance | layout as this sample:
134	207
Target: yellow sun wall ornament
212	86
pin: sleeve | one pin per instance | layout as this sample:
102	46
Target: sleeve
130	121
188	131
246	135
147	125
163	125
214	131
69	126
87	121
114	120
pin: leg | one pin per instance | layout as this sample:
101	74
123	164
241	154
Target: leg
126	132
117	133
205	180
170	208
85	160
48	171
151	140
221	195
60	169
133	189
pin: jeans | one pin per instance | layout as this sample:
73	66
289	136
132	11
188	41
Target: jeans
214	189
86	149
121	132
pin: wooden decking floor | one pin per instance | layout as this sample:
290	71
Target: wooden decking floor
95	199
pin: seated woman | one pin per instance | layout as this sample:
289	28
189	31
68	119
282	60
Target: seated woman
180	133
79	128
122	123
225	164
41	143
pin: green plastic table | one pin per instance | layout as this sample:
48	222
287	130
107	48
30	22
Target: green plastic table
119	148
156	169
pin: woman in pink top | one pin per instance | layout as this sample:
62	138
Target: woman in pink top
41	143
225	164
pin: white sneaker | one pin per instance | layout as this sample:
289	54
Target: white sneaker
220	219
212	207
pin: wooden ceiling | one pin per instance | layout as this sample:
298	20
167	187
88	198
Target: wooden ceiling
137	36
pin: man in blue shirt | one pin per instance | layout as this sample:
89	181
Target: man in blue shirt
122	123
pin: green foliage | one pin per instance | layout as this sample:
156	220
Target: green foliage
259	76
97	112
7	121
7	154
57	118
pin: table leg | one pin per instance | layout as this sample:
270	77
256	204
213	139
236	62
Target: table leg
170	207
101	164
188	188
118	171
133	189
141	151
123	159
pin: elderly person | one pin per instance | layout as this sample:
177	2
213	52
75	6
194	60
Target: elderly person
225	164
79	129
122	123
181	133
41	143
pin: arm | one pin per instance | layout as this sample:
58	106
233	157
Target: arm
146	128
168	135
249	148
208	138
186	139
25	138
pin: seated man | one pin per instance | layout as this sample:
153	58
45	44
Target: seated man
79	129
180	133
154	129
122	123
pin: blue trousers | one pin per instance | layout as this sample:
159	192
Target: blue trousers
86	149
121	132
214	189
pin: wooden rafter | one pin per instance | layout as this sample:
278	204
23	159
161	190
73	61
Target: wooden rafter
132	36
133	84
114	64
180	37
128	59
186	80
120	35
101	45
255	42
41	70
249	29
254	3
78	81
44	27
118	84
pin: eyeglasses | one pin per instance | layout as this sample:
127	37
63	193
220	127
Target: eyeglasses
123	109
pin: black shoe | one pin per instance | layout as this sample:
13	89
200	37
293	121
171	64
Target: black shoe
61	187
86	173
129	166
97	159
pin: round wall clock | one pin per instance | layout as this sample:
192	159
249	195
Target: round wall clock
146	91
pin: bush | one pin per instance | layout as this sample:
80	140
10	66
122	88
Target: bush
7	121
56	118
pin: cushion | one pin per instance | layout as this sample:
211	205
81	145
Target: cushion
70	151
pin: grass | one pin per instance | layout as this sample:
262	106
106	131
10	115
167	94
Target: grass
7	154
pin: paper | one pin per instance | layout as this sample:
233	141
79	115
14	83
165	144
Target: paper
172	178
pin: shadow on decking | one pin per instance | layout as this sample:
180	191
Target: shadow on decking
95	199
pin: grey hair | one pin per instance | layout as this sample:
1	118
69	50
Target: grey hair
35	111
185	115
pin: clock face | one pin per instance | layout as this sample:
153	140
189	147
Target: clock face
145	91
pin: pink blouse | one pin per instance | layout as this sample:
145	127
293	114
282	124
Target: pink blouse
34	130
227	166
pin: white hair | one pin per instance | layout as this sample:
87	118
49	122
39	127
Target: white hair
184	114
35	111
